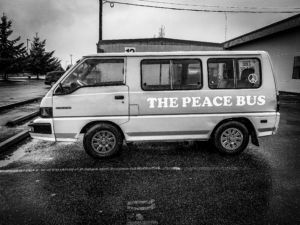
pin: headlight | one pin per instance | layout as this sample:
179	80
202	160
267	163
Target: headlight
46	112
30	128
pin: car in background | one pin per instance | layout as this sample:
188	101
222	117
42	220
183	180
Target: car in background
52	77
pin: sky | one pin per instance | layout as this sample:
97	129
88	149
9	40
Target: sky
71	27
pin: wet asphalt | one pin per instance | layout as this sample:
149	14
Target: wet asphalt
154	183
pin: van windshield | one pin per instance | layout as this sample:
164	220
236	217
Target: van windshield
94	72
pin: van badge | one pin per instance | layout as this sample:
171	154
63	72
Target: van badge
68	107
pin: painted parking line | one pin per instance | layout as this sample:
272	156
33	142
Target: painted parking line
137	212
116	169
141	205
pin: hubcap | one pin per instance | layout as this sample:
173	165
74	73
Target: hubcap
103	141
231	139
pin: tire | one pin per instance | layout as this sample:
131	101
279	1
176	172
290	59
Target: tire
231	138
103	141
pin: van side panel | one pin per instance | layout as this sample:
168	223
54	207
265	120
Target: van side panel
191	127
193	114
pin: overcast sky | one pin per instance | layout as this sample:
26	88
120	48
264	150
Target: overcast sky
72	26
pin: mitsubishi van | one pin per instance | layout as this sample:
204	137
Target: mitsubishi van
226	97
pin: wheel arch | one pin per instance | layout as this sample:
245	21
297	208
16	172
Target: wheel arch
244	121
93	123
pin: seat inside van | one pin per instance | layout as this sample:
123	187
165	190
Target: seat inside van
244	82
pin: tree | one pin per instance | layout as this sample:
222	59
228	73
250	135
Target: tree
12	55
40	61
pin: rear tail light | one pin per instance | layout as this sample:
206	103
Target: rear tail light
278	103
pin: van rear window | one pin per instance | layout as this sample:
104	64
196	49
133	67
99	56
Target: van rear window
234	73
171	74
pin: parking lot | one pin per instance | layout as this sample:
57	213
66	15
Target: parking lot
154	183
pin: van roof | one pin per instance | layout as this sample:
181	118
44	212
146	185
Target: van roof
178	53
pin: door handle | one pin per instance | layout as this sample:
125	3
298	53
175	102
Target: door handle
119	97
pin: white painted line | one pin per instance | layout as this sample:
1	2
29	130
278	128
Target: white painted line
141	202
141	205
114	169
141	208
151	222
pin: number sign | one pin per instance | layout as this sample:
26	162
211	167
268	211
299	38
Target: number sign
130	49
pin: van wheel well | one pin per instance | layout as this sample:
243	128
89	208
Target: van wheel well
244	121
93	123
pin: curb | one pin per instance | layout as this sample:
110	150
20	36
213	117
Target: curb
5	107
13	140
14	122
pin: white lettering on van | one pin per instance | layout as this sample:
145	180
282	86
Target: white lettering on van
185	101
215	101
207	102
196	102
173	102
249	100
162	102
227	101
152	101
240	100
261	100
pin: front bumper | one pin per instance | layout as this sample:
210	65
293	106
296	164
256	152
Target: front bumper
42	128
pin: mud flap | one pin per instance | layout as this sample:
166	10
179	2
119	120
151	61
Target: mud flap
254	139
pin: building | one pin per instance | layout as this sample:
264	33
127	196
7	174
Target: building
282	41
156	45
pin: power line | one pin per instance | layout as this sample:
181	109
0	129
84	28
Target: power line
203	10
217	6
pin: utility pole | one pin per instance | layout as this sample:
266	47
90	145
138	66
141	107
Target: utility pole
101	3
71	59
100	19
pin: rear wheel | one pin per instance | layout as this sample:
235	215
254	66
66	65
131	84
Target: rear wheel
102	141
231	138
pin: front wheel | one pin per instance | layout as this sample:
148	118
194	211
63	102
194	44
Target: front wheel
231	138
102	141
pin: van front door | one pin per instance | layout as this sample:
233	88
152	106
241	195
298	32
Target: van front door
94	91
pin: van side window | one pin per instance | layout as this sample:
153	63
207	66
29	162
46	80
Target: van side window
95	72
234	73
171	74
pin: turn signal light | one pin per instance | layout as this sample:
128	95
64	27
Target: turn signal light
46	112
278	103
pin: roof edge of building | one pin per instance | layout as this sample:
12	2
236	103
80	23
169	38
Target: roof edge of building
279	26
170	40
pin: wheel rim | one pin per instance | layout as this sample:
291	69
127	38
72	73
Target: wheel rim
231	139
103	141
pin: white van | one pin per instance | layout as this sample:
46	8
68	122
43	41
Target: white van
222	96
